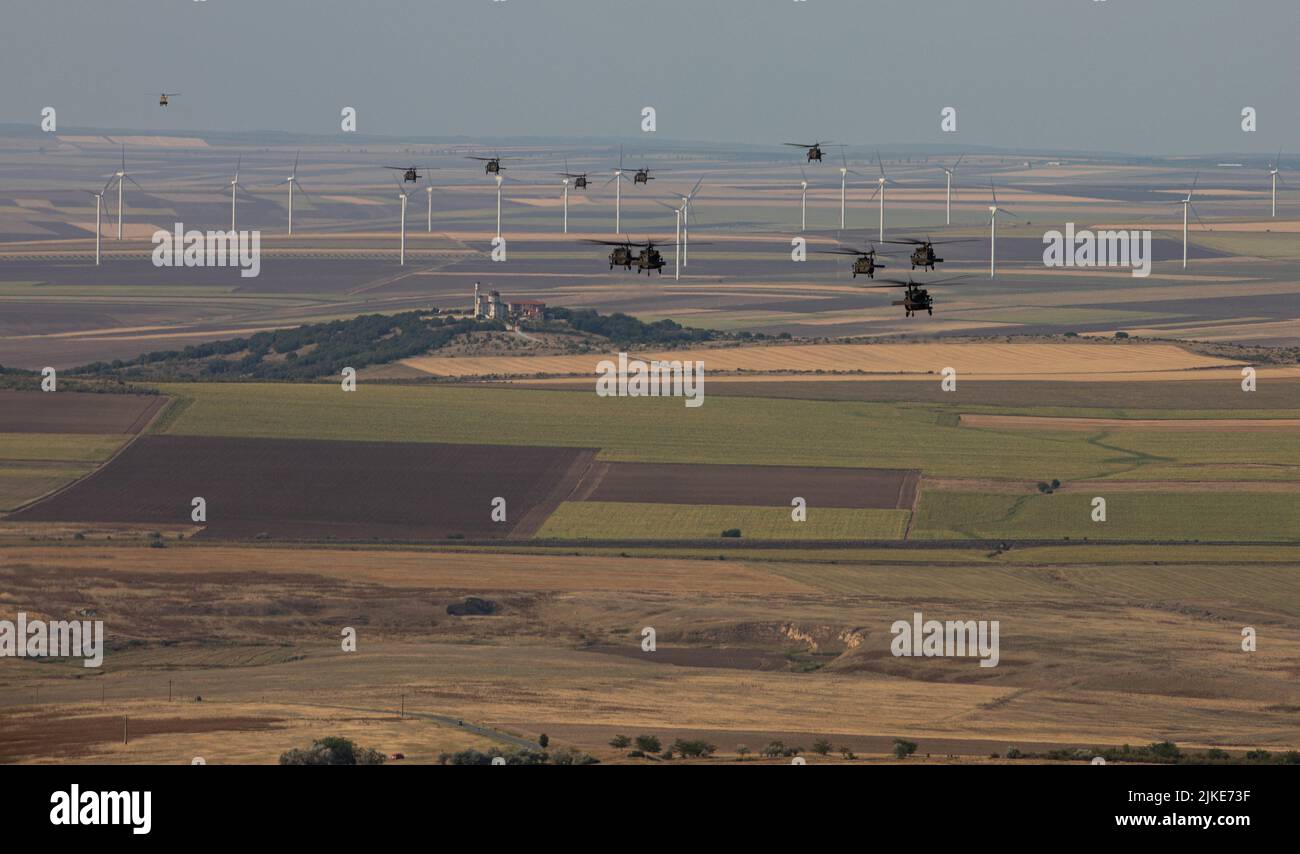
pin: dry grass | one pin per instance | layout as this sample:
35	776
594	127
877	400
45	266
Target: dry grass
987	360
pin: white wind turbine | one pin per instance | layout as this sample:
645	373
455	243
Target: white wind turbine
99	201
617	180
404	195
1274	170
803	201
234	188
566	205
844	178
500	180
881	182
428	193
949	171
677	245
687	213
994	210
292	181
121	177
1188	206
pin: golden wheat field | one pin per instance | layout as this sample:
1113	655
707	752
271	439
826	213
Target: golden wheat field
983	360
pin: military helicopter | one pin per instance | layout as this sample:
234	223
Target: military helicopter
916	298
579	178
490	164
923	255
814	150
642	176
163	96
864	263
649	258
409	173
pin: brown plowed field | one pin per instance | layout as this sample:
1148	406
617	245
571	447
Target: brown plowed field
76	412
684	483
318	489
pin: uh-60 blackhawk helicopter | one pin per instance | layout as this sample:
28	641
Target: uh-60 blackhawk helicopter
164	96
916	298
923	255
814	150
491	165
409	173
864	263
649	258
642	176
579	178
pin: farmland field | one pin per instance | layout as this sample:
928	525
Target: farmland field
727	430
335	490
1129	515
631	521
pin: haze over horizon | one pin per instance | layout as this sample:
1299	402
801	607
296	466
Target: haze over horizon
1160	77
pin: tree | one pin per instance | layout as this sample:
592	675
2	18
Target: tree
903	748
332	750
620	742
821	747
648	744
543	740
742	751
847	754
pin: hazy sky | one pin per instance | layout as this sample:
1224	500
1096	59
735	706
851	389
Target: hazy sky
1141	76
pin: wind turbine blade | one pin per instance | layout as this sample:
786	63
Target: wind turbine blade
1193	190
295	161
133	181
958	163
994	190
1198	217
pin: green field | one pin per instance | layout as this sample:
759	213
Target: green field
616	521
1129	515
762	431
32	464
62	447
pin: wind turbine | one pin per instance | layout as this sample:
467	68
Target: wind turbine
1187	205
618	180
566	205
428	192
844	177
948	205
994	210
1274	169
99	200
292	181
121	176
880	188
677	245
500	180
404	194
687	213
803	201
234	188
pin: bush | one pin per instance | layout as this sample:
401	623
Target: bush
332	750
731	532
620	742
903	748
648	744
